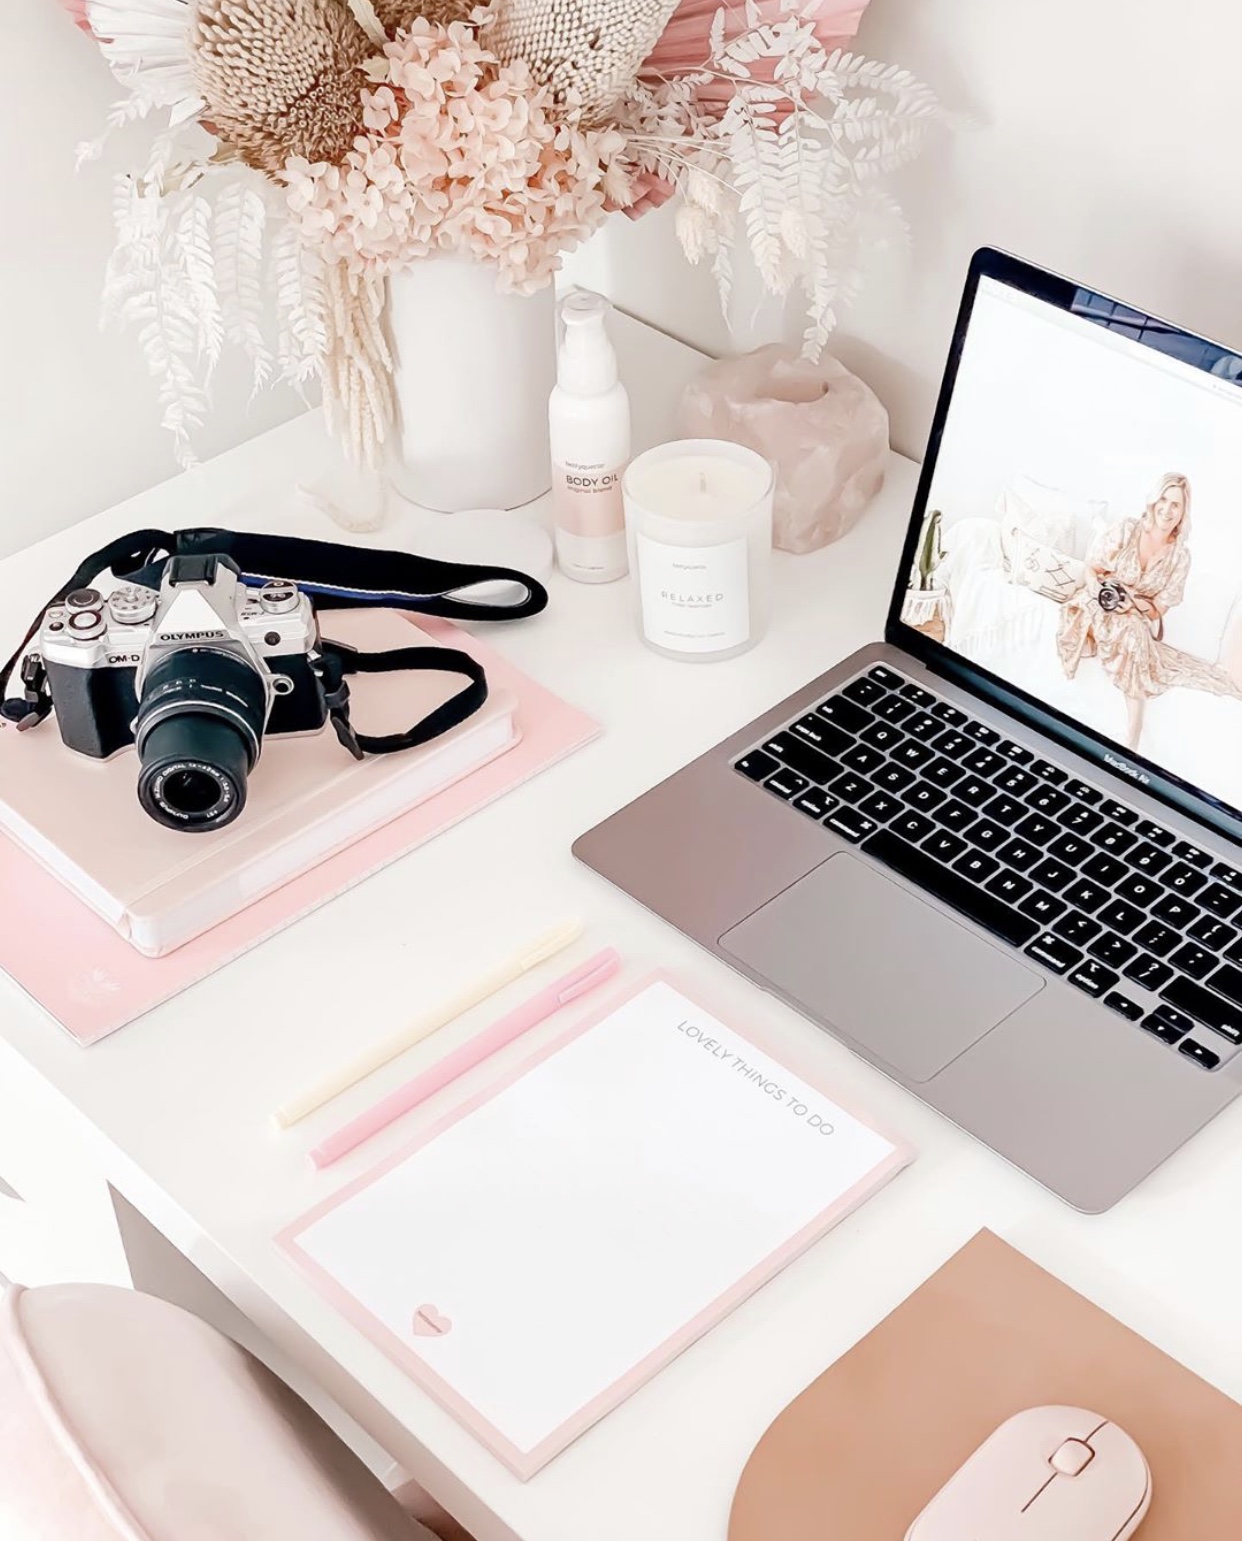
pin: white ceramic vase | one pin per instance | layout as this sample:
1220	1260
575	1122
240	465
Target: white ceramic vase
473	372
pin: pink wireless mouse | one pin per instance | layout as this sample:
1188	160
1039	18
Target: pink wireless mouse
1048	1474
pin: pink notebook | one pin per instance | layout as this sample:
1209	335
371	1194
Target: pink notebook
542	1249
110	984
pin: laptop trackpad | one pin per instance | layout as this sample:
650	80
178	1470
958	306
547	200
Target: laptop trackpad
856	950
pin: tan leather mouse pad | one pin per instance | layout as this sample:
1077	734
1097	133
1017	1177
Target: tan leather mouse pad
862	1450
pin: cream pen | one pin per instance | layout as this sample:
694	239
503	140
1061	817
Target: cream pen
479	989
572	987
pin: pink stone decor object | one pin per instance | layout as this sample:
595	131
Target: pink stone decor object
824	430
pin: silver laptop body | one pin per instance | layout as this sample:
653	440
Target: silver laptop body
995	853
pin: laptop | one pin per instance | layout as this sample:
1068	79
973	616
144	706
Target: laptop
997	852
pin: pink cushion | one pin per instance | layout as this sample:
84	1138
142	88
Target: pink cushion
123	1418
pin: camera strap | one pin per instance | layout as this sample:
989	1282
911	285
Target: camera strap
351	577
339	578
340	660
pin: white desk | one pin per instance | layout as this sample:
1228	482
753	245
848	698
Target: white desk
173	1111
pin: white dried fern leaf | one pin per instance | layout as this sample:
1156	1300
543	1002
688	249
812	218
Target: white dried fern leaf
795	156
147	289
758	176
130	109
207	257
890	79
190	253
238	235
297	279
722	274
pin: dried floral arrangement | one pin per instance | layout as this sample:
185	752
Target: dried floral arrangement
308	149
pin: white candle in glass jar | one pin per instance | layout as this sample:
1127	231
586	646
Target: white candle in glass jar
698	518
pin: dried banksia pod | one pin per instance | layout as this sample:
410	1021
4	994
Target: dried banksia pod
589	53
397	15
281	77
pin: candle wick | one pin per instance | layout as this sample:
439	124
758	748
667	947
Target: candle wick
702	481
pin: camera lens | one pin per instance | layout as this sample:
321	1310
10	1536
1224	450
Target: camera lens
198	730
194	789
193	773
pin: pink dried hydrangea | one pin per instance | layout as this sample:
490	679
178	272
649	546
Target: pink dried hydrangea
461	154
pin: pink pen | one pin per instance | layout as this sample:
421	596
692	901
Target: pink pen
536	1010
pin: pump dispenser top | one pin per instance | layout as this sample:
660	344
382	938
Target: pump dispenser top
586	364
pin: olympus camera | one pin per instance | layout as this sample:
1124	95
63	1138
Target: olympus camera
194	674
1112	596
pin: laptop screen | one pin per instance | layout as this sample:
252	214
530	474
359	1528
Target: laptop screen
1079	536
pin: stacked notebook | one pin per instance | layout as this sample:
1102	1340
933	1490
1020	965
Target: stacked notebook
85	874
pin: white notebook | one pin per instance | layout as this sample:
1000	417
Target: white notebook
308	798
542	1250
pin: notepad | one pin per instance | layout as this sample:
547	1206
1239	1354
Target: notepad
544	1249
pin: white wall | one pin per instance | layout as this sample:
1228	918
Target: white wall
1106	146
79	422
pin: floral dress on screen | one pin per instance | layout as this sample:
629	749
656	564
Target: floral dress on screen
1126	641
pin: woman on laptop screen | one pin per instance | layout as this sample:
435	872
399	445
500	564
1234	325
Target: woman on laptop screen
1134	575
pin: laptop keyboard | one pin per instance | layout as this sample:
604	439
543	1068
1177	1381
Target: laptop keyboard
1124	909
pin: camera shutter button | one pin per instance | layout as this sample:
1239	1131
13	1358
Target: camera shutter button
86	625
84	599
279	598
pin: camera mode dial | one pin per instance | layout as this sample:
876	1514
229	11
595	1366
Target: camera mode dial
132	605
278	598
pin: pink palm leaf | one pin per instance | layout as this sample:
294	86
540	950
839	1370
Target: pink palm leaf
77	10
685	44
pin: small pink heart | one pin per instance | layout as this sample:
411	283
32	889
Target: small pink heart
430	1323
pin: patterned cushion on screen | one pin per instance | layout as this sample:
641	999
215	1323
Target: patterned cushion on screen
1034	565
1059	519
